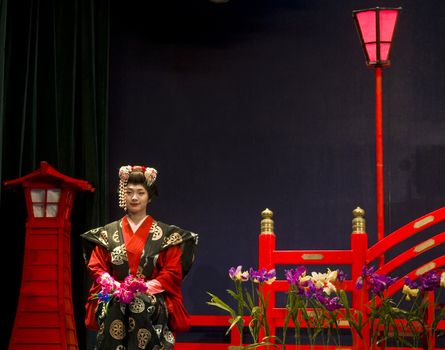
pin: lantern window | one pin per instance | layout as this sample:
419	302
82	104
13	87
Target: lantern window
45	202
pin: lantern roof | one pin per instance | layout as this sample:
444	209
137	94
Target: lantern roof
46	172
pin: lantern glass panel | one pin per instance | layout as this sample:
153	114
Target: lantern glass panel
384	51
51	210
371	49
387	24
37	195
38	210
53	195
367	26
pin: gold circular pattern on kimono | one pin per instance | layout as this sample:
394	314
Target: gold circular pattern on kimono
174	238
168	336
144	338
119	255
137	305
157	232
117	329
103	237
151	299
115	236
131	324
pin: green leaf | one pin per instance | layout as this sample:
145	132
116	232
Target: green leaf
257	345
249	300
256	311
265	342
217	302
225	308
238	298
234	322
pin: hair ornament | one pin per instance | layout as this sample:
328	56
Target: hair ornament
150	175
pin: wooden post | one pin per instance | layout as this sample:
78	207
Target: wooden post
359	247
267	245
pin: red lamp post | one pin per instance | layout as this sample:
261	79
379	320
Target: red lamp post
375	27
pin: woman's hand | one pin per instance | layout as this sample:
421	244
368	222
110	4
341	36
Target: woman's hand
154	287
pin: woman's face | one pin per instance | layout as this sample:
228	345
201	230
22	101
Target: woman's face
136	199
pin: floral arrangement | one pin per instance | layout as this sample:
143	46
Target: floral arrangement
124	292
316	299
249	301
385	313
316	302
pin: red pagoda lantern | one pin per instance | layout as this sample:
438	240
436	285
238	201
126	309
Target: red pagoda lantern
44	317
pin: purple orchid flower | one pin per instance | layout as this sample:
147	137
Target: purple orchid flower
237	274
341	276
331	304
428	281
375	282
410	283
262	275
233	272
293	275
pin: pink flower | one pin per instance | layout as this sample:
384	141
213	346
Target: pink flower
123	295
107	282
129	289
125	292
134	284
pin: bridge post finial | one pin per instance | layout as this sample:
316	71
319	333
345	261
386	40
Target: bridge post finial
267	222
358	222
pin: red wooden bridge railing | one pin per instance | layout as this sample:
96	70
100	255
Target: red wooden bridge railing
355	258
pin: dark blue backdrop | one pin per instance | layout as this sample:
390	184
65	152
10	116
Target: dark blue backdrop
268	103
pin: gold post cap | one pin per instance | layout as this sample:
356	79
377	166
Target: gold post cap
267	225
358	222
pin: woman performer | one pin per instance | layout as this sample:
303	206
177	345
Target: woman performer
137	265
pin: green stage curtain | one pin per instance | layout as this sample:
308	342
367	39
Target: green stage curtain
54	107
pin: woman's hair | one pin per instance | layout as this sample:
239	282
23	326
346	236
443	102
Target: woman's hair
138	178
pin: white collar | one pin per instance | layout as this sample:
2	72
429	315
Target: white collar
134	227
